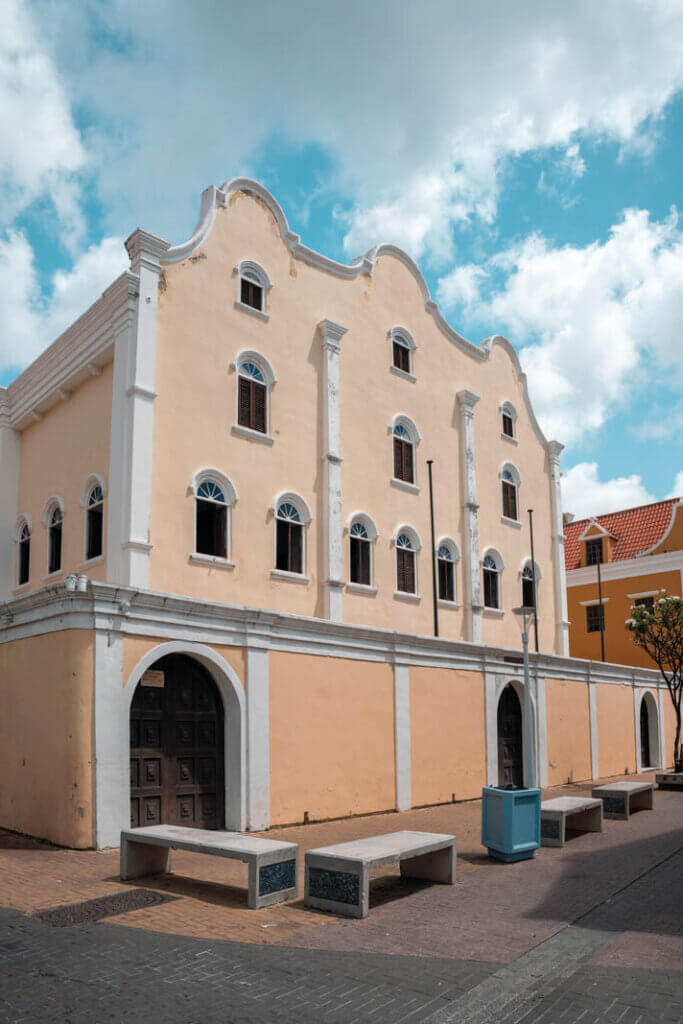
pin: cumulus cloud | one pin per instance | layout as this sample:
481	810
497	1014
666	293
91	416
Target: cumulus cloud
600	319
677	489
584	494
30	320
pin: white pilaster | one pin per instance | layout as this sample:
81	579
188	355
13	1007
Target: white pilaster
468	475
331	334
541	732
491	688
402	737
557	533
111	737
130	455
10	445
593	720
258	740
662	695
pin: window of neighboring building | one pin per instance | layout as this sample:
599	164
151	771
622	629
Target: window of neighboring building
54	539
289	538
401	351
491	574
509	486
508	420
252	402
528	587
595	618
645	602
594	551
406	576
446	573
94	523
360	554
24	554
211	520
404	455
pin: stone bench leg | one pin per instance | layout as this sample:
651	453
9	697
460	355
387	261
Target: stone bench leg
553	827
642	801
438	866
615	807
341	888
589	820
139	859
271	882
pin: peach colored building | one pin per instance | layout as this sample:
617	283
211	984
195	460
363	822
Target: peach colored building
216	556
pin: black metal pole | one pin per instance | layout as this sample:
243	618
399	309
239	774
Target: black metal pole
602	611
431	517
533	571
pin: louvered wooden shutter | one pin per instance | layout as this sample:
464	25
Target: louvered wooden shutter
295	547
408	473
244	409
398	459
259	407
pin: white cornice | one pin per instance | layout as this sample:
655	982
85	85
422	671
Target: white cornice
639	566
110	608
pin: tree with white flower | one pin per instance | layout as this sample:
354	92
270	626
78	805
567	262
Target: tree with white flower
660	633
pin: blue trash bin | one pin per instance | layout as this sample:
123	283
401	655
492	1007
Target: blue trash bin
511	822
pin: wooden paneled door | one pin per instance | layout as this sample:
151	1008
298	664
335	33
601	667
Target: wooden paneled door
176	747
510	748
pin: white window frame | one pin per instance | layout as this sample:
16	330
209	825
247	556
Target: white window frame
365	520
253	272
303	508
516	482
452	547
248	355
403	337
413	535
500	566
401	420
508	409
94	480
230	495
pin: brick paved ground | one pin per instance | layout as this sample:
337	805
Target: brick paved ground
592	932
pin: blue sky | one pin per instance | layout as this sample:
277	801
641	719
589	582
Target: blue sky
528	157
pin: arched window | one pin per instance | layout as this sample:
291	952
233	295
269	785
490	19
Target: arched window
255	379
23	552
362	534
289	537
253	285
54	539
529	584
405	438
94	523
402	348
211	519
406	561
446	557
491	568
508	419
510	483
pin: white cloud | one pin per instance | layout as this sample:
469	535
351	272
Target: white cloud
461	287
677	489
583	494
28	320
602	319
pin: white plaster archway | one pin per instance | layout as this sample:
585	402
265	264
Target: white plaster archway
495	684
654	729
112	731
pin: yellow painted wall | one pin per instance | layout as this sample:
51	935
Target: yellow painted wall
46	686
331	737
568	717
448	735
616	729
619	646
58	454
200	332
674	539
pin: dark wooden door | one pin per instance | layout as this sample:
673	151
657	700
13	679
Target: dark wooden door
176	748
510	758
644	735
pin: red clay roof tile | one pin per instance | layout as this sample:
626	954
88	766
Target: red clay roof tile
635	530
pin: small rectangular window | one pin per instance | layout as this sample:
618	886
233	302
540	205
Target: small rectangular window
509	500
645	602
594	551
508	425
595	618
251	294
405	571
289	546
490	588
360	561
403	461
401	357
446	580
212	533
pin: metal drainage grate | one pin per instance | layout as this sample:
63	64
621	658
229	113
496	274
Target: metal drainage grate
104	906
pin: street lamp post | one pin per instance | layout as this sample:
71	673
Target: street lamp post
526	613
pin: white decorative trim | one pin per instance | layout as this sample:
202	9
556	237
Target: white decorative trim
403	373
251	310
249	266
443	603
331	334
94	480
510	440
401	420
258	742
494	684
403	595
251	435
139	391
506	521
361	588
294	499
654	722
403	485
402	737
48	508
557	546
593	524
496	556
367	521
210	473
597	600
412	533
645	593
288	577
210	561
674	510
88	563
490	612
400	334
251	355
541	731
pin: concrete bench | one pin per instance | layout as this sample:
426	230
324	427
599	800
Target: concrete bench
578	812
620	798
338	877
272	865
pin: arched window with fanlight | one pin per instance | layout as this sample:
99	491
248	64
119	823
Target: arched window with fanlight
446	557
94	523
491	570
406	561
252	405
290	554
508	420
211	519
23	552
510	484
530	584
405	440
402	348
55	522
254	285
362	534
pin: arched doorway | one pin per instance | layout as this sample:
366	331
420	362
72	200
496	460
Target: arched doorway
648	729
510	748
176	747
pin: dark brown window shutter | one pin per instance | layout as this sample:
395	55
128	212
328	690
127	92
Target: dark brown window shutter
259	407
296	547
244	404
509	501
398	459
409	475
